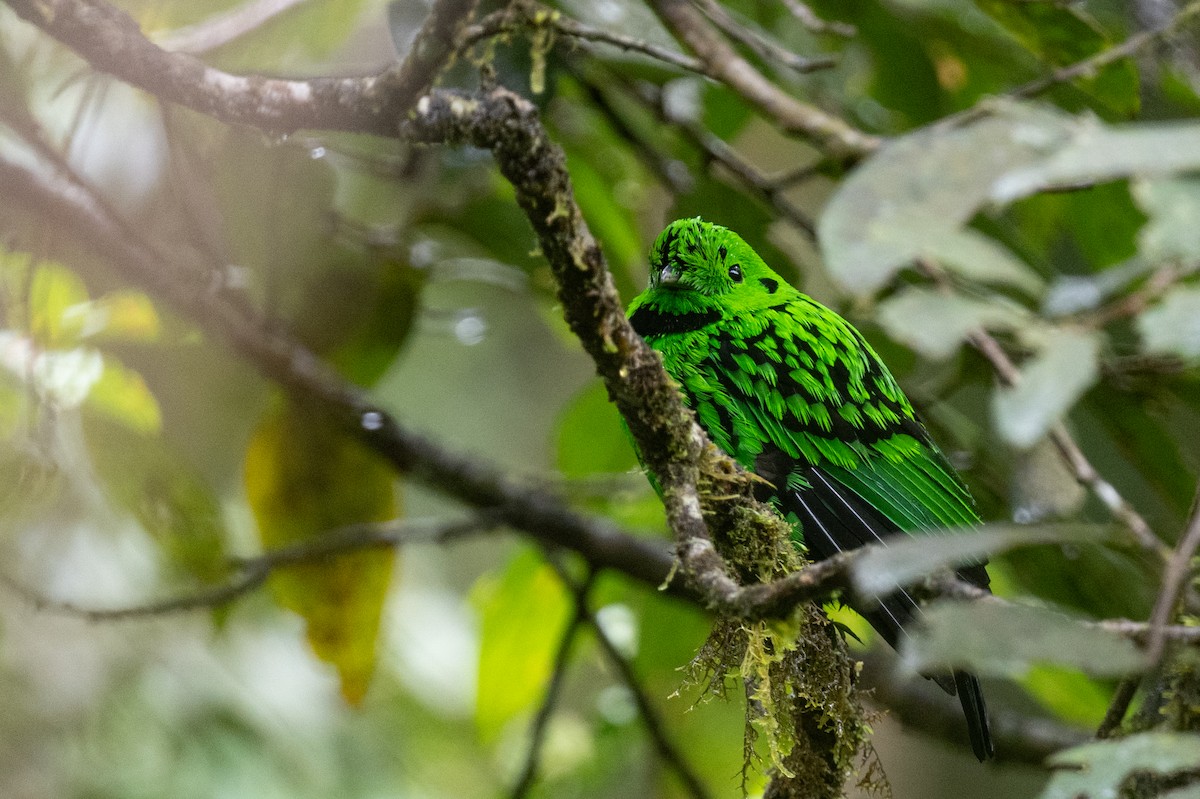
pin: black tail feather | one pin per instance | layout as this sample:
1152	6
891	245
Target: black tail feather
971	697
833	519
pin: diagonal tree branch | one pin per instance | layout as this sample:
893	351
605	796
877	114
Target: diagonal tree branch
832	135
110	40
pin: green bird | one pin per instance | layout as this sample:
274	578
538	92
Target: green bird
792	392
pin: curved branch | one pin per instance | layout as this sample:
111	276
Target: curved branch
833	135
111	41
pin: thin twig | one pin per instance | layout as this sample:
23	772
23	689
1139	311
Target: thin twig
1179	568
653	722
541	722
1121	509
1119	706
767	49
530	15
671	172
718	151
251	573
206	599
1090	66
810	20
835	136
1137	301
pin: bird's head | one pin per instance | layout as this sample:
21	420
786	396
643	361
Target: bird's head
705	264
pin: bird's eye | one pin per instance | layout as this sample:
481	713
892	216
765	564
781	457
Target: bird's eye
735	273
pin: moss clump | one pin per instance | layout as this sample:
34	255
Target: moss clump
798	678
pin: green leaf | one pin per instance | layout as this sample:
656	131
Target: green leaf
122	394
54	294
1172	205
1051	382
523	612
124	315
306	478
1073	697
907	559
1095	153
977	257
1097	770
925	186
1006	640
1173	324
936	324
176	507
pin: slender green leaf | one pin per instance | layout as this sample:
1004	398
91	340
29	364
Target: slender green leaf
1173	325
904	560
936	324
1006	640
1173	206
1097	770
1094	153
1066	367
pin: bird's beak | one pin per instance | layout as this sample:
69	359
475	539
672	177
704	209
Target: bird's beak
669	276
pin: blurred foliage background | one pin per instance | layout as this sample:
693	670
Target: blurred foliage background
140	456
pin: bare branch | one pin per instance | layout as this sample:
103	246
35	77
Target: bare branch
650	717
207	599
810	20
919	706
532	16
253	572
833	135
1089	67
1179	568
110	40
767	49
537	731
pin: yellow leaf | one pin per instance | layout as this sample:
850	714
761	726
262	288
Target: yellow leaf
523	613
122	394
304	479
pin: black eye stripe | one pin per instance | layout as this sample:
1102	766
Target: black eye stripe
722	252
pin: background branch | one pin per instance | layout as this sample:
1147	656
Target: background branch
832	135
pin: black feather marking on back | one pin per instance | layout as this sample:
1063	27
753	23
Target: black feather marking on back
769	284
649	322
